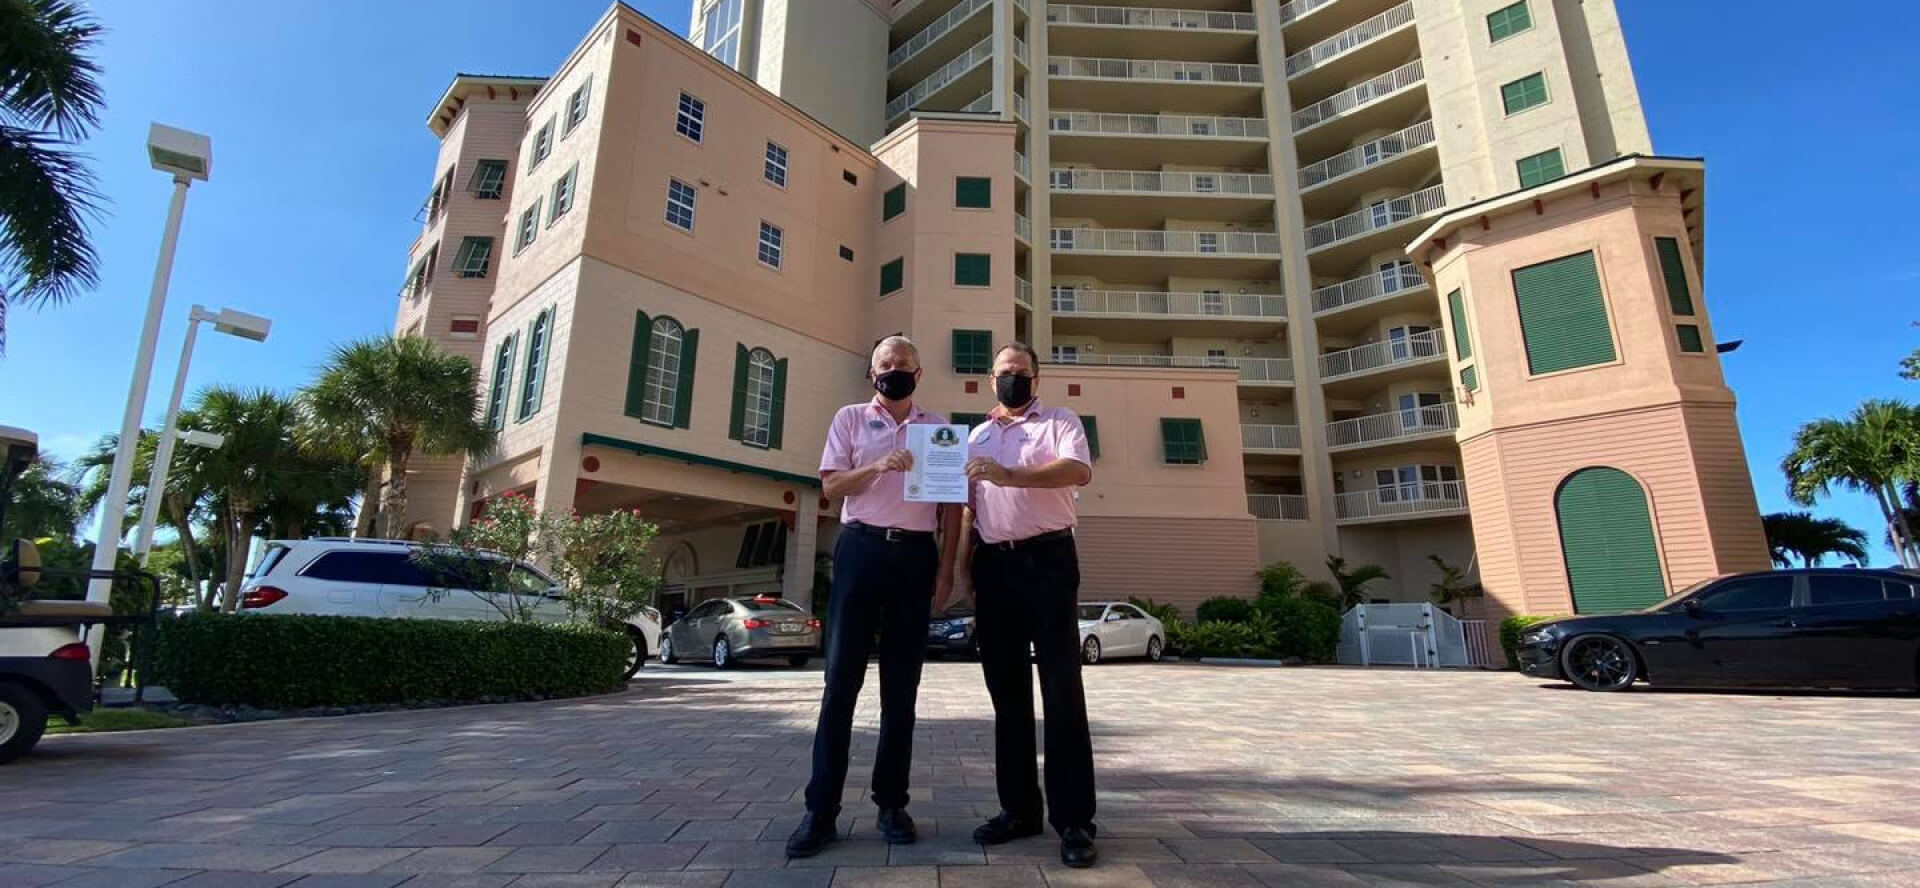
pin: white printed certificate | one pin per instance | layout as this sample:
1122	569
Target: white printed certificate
939	473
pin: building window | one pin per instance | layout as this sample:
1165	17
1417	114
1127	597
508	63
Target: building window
1065	298
437	200
972	351
1398	275
502	377
475	253
563	195
1200	127
1066	354
849	177
1204	183
1689	335
1563	315
1092	427
1060	180
1524	93
893	276
660	371
759	398
577	107
972	270
680	198
771	238
542	145
529	227
1213	302
846	252
1217	357
1469	378
418	276
973	193
1413	483
776	171
1508	21
720	30
894	202
1182	442
489	180
1457	318
539	341
1543	167
1674	272
1207	241
1060	238
692	118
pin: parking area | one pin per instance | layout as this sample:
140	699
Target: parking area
1209	776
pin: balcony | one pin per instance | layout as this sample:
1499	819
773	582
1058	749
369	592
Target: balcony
1136	141
1297	8
1156	70
1378	217
1253	371
1132	17
1135	84
1154	182
1368	297
1145	199
1261	438
1261	371
1023	291
1414	348
940	27
1191	243
1399	81
1165	126
1158	306
1421	500
1022	166
984	103
1414	424
1023	228
1020	107
1348	44
952	71
1277	506
1147	254
1367	156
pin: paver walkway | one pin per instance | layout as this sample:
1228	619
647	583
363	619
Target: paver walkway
1209	776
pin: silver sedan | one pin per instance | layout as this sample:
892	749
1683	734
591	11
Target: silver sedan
725	631
1111	629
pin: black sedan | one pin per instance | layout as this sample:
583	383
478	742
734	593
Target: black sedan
951	631
1791	628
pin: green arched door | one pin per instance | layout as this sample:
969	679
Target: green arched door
1606	537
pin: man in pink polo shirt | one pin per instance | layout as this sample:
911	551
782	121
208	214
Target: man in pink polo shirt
1027	459
886	573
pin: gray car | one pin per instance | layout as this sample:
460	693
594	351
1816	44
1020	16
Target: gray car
725	631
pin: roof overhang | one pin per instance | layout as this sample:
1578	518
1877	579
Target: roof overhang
467	85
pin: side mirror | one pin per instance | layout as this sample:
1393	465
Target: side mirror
1115	617
22	565
1692	606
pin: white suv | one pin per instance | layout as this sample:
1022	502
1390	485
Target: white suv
378	578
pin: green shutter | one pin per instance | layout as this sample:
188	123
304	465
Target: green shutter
1679	295
894	202
972	269
1457	310
893	276
1470	378
1606	536
972	351
1543	167
973	193
637	364
1508	21
1563	318
737	422
778	423
1092	425
1524	93
683	403
1182	442
1689	335
498	398
546	360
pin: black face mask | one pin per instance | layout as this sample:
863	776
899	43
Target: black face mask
895	385
1013	391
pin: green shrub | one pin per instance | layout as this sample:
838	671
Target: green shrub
279	662
1511	629
1309	630
1223	610
1304	628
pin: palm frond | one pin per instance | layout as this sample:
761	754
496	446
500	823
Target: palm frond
46	75
48	200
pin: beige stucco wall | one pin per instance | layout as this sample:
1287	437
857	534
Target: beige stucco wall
832	62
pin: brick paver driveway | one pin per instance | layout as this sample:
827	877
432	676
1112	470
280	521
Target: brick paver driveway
1214	777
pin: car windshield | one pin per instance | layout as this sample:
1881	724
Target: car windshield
1092	611
268	560
1676	597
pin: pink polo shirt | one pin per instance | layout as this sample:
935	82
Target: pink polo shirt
1036	437
863	434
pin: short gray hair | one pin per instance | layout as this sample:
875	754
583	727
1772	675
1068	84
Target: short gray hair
896	341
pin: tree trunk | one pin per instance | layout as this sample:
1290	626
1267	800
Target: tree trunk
394	512
237	540
188	548
1889	501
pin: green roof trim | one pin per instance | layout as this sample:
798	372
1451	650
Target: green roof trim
590	439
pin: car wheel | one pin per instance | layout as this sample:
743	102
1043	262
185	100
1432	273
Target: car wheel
798	660
1599	663
722	653
1153	649
1090	651
23	718
636	652
666	650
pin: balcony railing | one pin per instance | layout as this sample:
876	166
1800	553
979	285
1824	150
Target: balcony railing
1130	17
1202	243
1271	371
1146	304
1297	8
1023	291
948	73
984	103
1153	69
936	30
1381	284
1022	165
1415	422
1269	437
1385	214
1359	157
1023	227
1174	125
1020	50
1154	182
1020	106
1366	93
1349	39
1277	506
1412	348
1264	370
1425	497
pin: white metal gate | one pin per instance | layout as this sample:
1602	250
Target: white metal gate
1418	635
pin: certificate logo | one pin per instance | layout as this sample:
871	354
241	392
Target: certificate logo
944	437
913	490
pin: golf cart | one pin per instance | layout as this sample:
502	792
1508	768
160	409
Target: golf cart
46	666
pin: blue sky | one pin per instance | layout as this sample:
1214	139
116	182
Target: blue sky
322	157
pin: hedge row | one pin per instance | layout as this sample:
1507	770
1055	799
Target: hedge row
1267	629
290	661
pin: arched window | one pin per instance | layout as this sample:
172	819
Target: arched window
1607	540
539	336
663	372
502	383
759	398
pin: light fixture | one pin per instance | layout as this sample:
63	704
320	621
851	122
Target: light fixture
204	440
179	152
239	323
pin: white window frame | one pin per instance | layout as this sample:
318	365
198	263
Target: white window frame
776	165
660	396
675	187
484	187
1060	239
577	108
1206	241
1217	357
690	119
1066	354
720	22
756	429
1205	183
529	228
1065	298
1060	179
771	247
470	249
1213	302
543	143
564	189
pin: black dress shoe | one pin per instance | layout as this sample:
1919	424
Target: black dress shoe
1076	848
815	832
1004	828
897	827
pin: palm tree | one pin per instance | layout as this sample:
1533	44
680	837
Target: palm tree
1453	584
244	475
1352	585
40	504
380	401
1799	535
1873	451
49	100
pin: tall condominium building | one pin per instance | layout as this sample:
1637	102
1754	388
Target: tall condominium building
678	254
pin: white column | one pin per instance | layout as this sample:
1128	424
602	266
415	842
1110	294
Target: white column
797	585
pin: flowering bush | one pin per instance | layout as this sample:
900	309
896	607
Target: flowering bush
603	563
